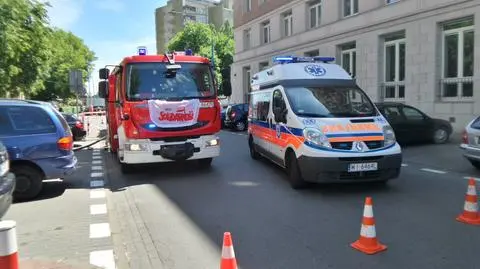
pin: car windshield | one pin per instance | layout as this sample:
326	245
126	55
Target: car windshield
152	81
330	102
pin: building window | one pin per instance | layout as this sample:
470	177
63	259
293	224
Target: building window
394	67
458	59
248	5
350	7
314	13
247	39
262	66
312	53
287	23
265	32
388	2
247	87
349	58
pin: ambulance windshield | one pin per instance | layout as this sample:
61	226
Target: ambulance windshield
330	102
152	81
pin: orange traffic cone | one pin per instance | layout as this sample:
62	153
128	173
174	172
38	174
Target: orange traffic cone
228	254
367	242
470	214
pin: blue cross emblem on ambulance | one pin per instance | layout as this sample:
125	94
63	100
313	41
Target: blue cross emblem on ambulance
278	129
315	70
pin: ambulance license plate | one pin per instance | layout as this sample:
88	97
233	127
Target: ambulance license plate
361	167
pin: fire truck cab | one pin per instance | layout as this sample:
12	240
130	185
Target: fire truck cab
162	108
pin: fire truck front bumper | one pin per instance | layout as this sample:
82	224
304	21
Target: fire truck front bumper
140	151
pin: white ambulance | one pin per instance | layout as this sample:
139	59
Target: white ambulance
309	116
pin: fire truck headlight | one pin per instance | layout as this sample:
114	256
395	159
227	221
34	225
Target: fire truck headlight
213	142
136	147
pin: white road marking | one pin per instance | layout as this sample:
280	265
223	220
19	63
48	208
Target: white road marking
97	162
98	209
97	157
96	194
96	174
96	183
474	178
103	259
96	153
404	164
100	230
433	171
97	167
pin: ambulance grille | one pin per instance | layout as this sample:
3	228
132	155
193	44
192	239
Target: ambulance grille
348	145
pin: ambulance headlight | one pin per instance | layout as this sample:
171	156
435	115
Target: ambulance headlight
389	136
136	147
316	137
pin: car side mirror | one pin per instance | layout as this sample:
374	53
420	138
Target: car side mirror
103	89
103	73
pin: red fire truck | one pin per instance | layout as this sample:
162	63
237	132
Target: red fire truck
162	108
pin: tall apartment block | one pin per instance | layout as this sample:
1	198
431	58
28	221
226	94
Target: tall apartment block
171	18
425	53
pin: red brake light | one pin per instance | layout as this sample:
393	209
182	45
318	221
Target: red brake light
65	143
464	137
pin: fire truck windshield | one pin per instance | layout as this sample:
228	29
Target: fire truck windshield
152	81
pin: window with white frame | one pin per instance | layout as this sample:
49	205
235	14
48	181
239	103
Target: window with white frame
394	67
458	59
247	40
262	66
287	22
265	32
350	7
349	58
247	5
314	13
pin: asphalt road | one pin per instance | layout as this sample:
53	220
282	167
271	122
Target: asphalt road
174	216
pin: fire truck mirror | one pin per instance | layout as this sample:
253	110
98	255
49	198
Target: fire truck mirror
103	89
104	73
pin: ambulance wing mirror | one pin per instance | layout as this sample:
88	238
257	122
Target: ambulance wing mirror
103	89
280	113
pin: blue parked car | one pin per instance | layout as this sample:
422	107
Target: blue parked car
7	181
39	143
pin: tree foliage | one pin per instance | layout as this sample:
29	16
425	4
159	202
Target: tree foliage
33	55
200	37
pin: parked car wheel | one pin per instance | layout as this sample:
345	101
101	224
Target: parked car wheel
441	136
476	164
29	181
240	126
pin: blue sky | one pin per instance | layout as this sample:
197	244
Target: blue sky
111	28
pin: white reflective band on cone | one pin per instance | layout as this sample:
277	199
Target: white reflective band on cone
471	190
368	211
368	231
8	238
228	253
470	207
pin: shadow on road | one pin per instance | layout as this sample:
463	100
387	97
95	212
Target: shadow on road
50	189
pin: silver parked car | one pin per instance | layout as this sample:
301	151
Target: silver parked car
471	142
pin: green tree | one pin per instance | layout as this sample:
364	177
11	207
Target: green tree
67	52
24	52
200	37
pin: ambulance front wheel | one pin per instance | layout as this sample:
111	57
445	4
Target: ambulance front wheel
294	173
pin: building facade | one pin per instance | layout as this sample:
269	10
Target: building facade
424	53
171	18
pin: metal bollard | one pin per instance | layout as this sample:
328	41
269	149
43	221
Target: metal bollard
8	245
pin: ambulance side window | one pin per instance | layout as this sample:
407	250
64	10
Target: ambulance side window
278	101
260	103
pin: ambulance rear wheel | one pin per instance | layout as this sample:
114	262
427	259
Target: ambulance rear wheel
294	174
253	152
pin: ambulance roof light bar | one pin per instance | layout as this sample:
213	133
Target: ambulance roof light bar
295	59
